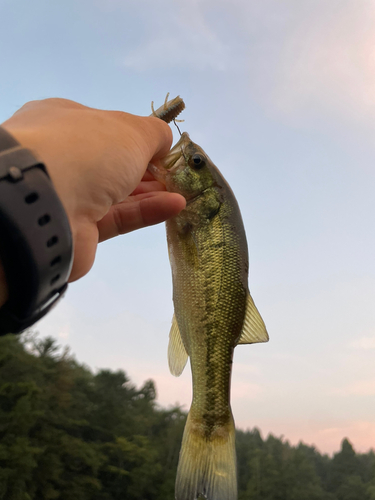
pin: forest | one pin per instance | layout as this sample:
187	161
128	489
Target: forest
68	433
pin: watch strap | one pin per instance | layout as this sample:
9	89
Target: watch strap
35	237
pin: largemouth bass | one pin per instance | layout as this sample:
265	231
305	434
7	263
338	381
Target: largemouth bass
213	312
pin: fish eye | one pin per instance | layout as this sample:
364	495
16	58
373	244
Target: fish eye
198	161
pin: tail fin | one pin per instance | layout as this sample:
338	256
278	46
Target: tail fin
207	466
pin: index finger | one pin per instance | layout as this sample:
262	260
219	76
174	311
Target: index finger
151	136
160	136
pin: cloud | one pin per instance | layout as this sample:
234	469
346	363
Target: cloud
245	391
59	322
326	435
322	59
303	59
172	390
245	369
181	50
364	343
360	433
187	42
359	388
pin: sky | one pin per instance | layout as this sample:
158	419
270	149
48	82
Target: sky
281	96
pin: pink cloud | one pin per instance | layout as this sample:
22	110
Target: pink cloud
359	388
364	343
245	391
326	61
325	436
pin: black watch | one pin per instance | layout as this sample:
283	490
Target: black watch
36	246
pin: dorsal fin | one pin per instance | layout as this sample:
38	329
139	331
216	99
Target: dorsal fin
254	329
177	355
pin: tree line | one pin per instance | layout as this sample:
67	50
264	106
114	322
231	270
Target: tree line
70	434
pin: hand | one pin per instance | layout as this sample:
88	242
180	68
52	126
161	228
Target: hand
97	161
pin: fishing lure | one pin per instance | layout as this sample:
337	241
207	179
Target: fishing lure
169	110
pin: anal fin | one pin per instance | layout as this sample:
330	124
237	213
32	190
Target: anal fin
177	355
253	330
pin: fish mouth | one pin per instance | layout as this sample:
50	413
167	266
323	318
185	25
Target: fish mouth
176	152
160	170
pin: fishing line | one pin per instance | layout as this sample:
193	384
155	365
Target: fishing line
178	128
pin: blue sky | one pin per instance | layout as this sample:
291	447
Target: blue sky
281	96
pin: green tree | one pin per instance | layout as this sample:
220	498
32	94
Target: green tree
66	433
352	488
344	464
301	478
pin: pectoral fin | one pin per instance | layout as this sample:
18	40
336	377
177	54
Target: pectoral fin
177	355
254	329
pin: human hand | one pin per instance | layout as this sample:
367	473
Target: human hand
97	161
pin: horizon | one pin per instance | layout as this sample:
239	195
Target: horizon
185	407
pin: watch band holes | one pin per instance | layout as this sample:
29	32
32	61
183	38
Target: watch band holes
54	279
52	241
31	198
42	221
55	261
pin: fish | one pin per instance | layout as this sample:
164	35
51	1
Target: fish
213	313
